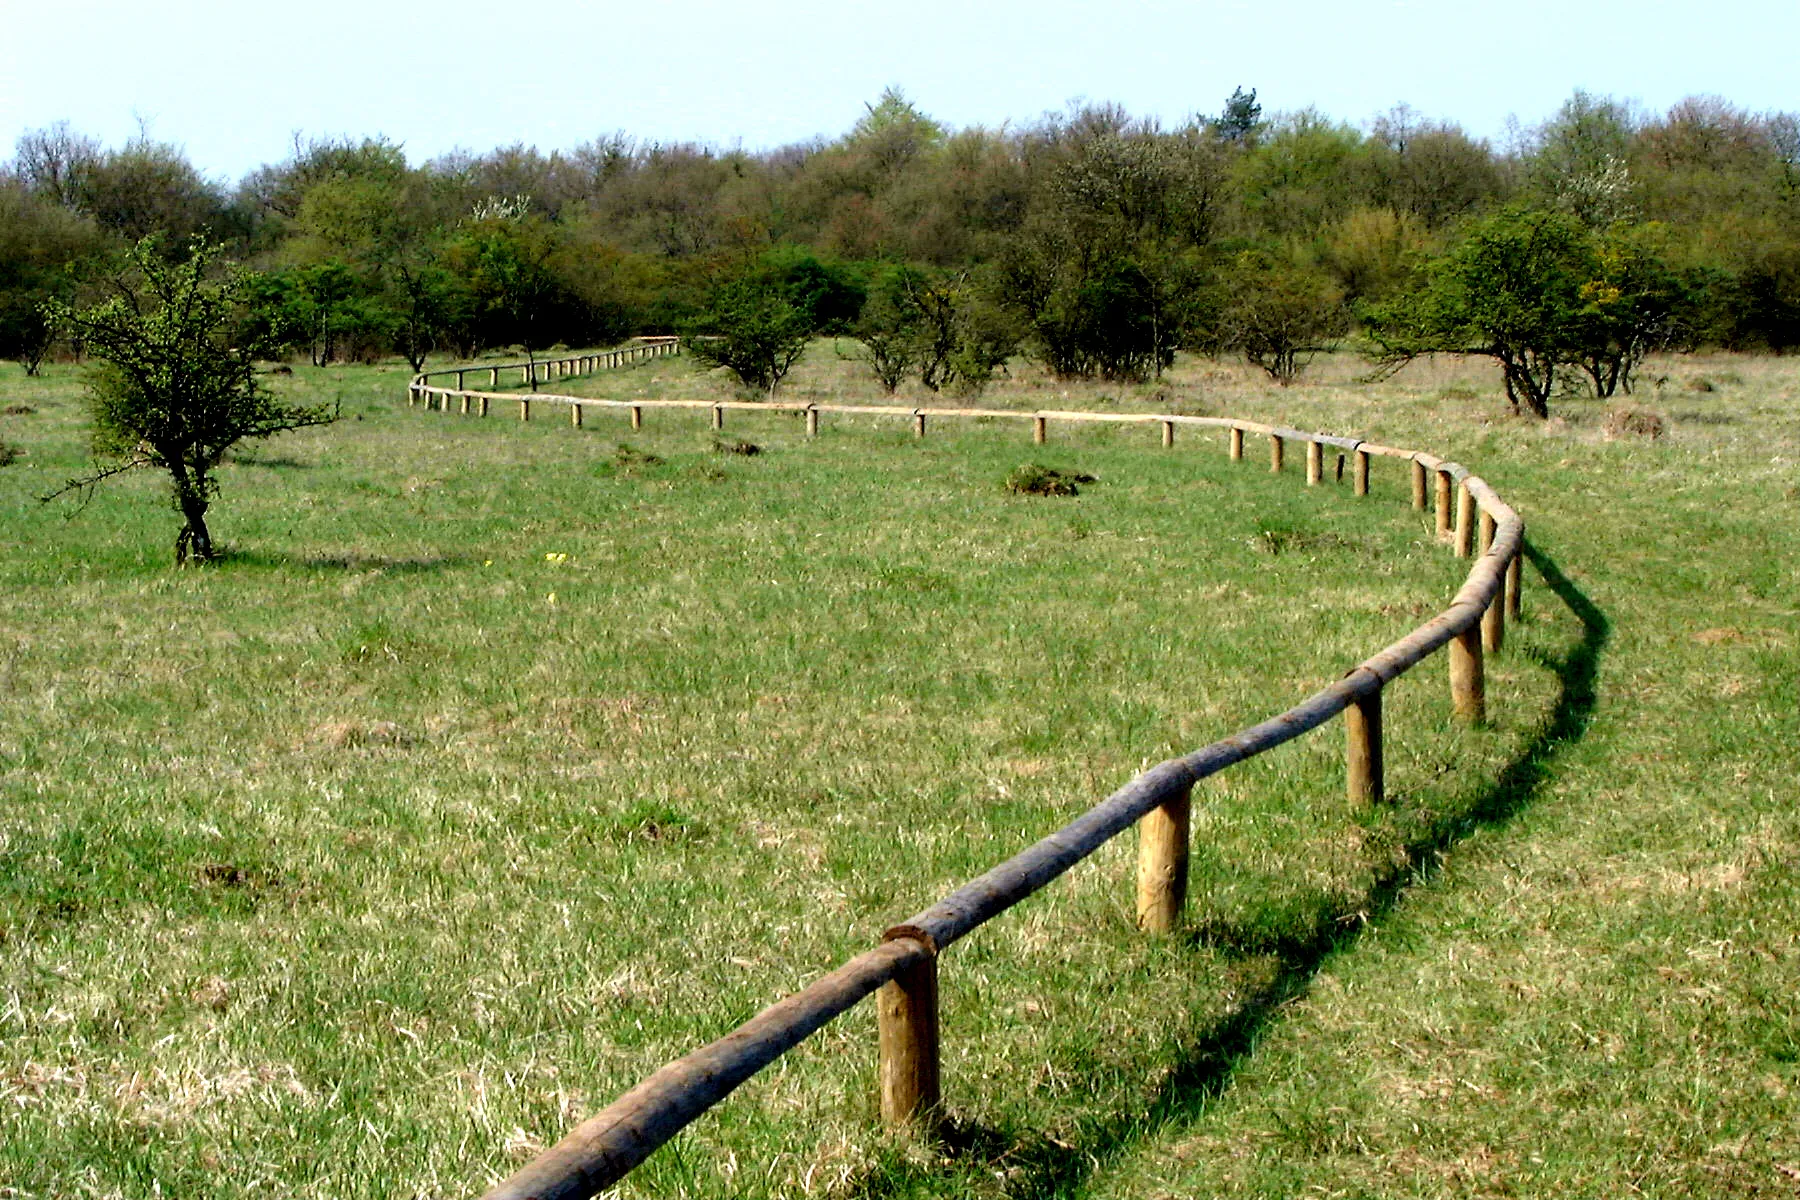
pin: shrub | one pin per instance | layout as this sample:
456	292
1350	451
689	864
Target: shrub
1280	314
753	331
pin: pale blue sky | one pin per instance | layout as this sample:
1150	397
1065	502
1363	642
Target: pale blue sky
232	82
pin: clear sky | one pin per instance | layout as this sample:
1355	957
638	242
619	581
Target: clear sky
232	82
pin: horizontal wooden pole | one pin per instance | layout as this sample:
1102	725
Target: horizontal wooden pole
598	1152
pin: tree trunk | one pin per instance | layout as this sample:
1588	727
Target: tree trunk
194	540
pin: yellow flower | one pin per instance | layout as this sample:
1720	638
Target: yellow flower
551	598
556	558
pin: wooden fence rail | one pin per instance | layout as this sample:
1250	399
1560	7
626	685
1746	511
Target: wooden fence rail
536	371
903	970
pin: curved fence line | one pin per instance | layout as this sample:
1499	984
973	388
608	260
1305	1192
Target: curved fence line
541	370
902	971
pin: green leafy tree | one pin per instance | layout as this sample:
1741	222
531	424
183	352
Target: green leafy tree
43	250
504	263
948	327
175	387
891	327
149	188
385	224
1280	313
753	330
1510	291
1101	274
1635	303
1580	160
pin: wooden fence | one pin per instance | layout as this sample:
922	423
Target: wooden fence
538	371
902	971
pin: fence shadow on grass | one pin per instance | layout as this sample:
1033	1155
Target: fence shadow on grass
1038	1167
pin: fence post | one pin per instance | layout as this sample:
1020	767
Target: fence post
464	408
1488	526
1362	759
575	415
637	416
1162	874
1337	473
1360	476
412	394
1493	622
1315	463
1275	453
906	1020
1234	445
459	382
1441	490
918	422
812	421
1513	573
1468	684
524	409
493	377
1040	430
718	416
1465	522
1168	432
1418	485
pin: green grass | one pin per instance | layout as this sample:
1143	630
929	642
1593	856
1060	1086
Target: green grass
499	764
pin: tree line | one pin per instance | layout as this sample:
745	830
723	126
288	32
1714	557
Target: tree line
1096	242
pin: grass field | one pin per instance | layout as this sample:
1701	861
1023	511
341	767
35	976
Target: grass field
499	764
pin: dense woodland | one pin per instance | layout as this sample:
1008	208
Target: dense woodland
1092	241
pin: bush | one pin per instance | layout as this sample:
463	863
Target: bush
947	328
1280	314
753	331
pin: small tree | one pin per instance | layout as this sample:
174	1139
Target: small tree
175	387
1280	314
1634	304
889	330
43	249
947	327
1511	291
753	331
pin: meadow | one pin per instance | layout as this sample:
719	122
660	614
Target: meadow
500	763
